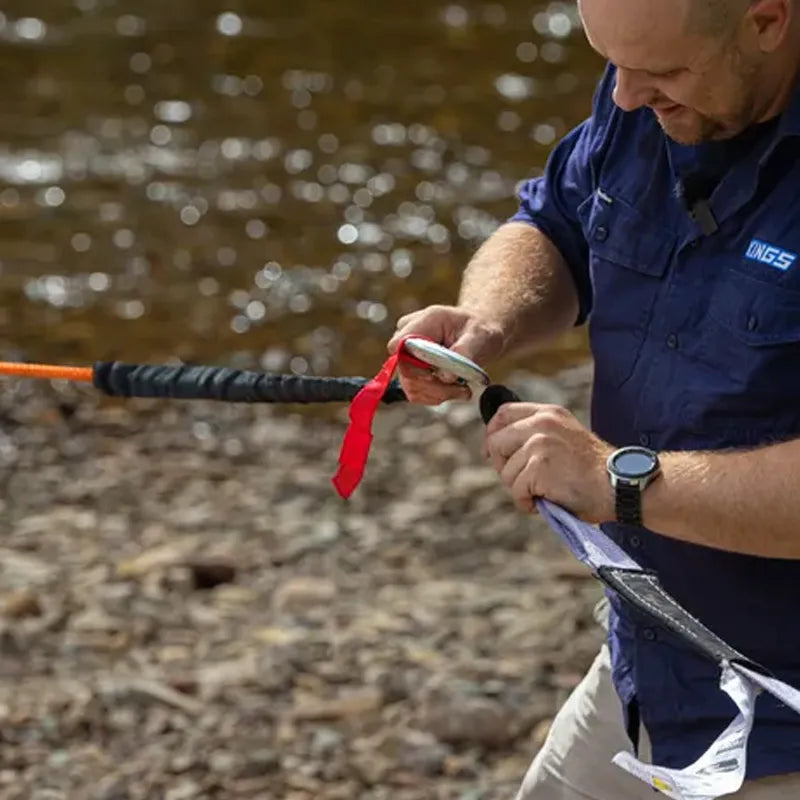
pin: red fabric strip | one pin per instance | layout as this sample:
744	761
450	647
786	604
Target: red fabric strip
358	436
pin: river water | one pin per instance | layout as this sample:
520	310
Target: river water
264	183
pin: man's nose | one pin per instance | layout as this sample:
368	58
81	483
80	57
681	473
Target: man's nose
631	90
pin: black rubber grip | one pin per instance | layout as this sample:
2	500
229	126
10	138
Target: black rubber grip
492	398
229	385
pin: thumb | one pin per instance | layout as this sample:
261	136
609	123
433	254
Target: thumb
477	344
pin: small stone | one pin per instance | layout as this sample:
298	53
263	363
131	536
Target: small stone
372	768
325	742
258	762
182	762
467	480
58	758
416	751
460	414
350	704
470	720
222	761
300	594
21	604
184	790
167	555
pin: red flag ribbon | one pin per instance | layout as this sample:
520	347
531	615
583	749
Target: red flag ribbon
358	436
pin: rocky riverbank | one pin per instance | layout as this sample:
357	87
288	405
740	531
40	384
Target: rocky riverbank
187	610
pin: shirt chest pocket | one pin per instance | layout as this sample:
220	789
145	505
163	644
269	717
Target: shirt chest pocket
628	257
753	337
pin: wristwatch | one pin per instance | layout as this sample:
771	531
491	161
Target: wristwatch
631	470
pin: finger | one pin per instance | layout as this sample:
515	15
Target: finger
433	322
514	467
521	493
505	442
474	343
413	373
433	395
498	462
421	387
394	342
509	413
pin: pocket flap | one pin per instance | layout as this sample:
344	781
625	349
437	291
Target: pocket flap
755	312
616	231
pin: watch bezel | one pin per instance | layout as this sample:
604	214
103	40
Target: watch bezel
640	480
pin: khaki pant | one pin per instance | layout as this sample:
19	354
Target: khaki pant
575	761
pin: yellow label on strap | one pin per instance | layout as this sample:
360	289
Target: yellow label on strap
662	785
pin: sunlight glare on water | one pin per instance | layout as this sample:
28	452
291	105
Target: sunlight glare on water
265	183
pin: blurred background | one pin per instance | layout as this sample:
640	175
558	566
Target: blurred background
187	609
266	183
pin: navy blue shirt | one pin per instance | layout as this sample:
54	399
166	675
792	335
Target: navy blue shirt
695	336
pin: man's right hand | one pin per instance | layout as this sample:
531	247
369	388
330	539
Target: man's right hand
455	328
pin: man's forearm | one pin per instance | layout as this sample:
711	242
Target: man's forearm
741	501
519	281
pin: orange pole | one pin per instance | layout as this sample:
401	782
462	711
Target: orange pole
47	371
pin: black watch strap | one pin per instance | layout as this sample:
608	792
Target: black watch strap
628	503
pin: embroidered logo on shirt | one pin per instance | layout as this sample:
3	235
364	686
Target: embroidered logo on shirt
770	255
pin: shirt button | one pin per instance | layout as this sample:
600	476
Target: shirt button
635	541
649	634
601	233
644	440
752	323
672	341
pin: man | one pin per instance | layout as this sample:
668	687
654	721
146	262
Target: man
669	221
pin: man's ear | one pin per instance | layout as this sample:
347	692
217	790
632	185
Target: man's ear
768	22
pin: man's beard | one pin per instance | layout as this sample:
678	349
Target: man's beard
693	128
689	127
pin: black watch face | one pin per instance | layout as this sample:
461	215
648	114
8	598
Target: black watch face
634	464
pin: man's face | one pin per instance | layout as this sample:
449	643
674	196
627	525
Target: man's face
700	86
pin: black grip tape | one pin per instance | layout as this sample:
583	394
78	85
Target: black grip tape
229	385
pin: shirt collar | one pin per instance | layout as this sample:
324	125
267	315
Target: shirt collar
789	124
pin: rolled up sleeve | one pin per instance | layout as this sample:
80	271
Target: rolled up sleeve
550	202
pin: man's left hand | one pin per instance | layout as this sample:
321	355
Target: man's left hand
544	451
